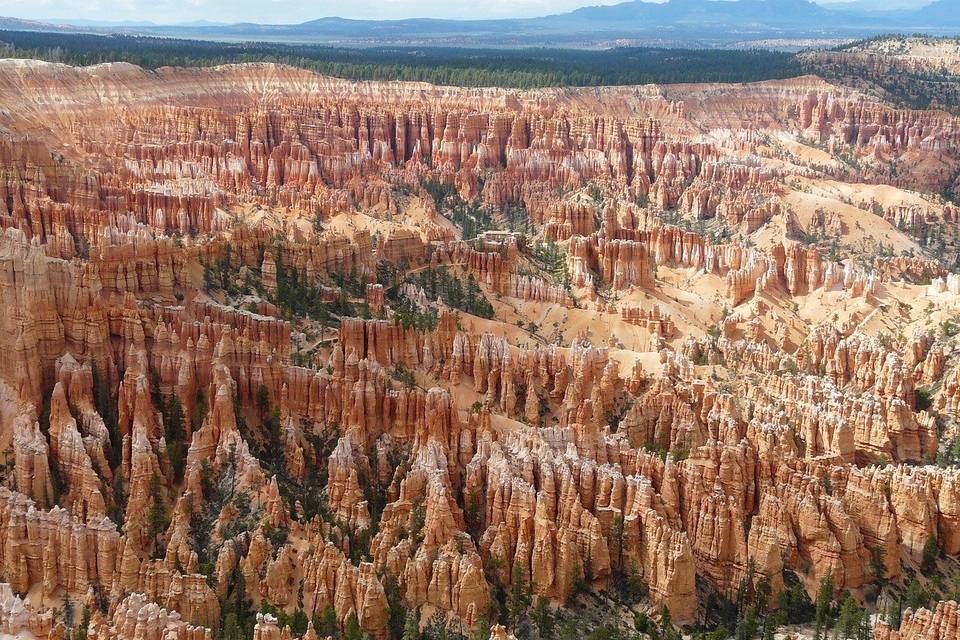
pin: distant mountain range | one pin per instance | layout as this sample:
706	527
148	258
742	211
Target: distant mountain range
944	11
873	5
700	21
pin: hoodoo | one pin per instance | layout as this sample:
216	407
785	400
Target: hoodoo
293	356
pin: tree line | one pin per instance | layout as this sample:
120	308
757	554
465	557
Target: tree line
521	69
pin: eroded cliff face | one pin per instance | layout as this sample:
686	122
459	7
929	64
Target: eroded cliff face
940	622
330	350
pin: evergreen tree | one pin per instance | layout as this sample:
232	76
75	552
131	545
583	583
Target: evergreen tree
397	615
263	401
771	623
411	626
230	629
174	435
916	595
930	552
521	596
436	628
103	400
80	633
156	516
67	610
823	604
352	631
749	623
326	625
894	614
667	630
794	602
471	512
849	618
617	535
481	630
543	618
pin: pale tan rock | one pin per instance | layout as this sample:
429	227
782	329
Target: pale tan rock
135	617
757	372
16	618
942	622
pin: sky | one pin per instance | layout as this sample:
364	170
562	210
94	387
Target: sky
293	11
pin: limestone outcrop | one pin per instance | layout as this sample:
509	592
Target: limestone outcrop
284	343
923	623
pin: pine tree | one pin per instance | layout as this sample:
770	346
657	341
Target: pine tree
617	537
824	599
894	614
930	552
396	620
471	512
174	436
230	630
481	630
326	624
748	624
667	631
263	401
80	633
916	595
521	596
771	623
848	622
104	403
353	630
67	610
411	626
543	618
